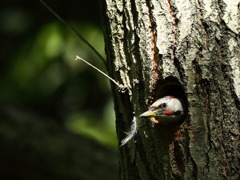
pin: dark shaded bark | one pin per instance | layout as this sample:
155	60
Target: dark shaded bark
184	48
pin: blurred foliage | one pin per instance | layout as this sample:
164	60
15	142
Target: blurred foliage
56	114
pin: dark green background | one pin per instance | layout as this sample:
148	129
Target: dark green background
56	114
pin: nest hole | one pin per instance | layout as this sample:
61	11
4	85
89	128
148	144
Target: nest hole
170	86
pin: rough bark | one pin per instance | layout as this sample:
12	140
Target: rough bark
188	48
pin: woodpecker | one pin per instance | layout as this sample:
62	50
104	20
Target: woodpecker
166	110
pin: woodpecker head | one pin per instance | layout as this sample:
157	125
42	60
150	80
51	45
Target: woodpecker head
166	109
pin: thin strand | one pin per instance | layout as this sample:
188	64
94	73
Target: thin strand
78	58
131	133
74	30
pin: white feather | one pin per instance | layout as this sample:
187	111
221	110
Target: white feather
131	133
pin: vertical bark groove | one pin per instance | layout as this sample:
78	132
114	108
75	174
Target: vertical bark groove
154	76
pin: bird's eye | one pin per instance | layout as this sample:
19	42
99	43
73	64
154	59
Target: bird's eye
163	105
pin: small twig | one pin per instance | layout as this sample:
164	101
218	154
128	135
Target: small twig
74	30
115	82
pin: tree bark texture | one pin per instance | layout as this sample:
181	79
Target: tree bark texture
186	48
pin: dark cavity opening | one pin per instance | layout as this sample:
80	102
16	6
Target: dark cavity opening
170	86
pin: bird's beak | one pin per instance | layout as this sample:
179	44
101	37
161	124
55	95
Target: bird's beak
149	113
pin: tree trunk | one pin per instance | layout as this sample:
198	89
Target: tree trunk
185	48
